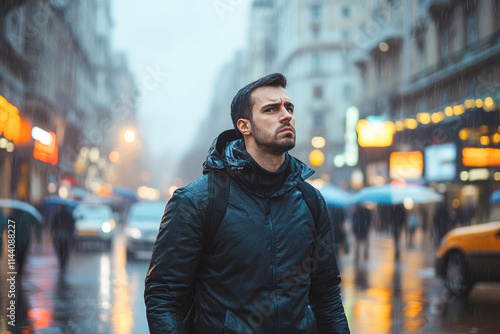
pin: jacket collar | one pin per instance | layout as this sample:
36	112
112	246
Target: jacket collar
227	153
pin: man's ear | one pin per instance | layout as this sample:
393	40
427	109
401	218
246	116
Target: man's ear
244	126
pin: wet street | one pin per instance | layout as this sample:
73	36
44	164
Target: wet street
103	293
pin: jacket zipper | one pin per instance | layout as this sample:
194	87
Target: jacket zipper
275	284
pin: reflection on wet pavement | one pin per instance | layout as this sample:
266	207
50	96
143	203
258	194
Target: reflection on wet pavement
101	292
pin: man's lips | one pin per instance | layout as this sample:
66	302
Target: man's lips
287	129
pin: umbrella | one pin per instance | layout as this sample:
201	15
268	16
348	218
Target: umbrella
20	205
335	196
56	200
125	193
495	196
50	204
396	194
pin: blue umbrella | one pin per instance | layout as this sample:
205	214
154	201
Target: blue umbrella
335	196
49	204
22	206
56	200
495	196
125	193
396	194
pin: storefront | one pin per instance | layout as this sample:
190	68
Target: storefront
460	148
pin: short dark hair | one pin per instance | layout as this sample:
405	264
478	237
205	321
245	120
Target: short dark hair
242	104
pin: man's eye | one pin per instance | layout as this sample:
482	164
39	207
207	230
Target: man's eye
269	110
290	110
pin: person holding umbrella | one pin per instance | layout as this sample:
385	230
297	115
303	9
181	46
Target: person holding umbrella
23	216
23	224
63	232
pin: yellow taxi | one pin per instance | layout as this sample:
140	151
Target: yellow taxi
468	255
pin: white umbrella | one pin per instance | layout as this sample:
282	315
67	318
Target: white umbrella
396	194
20	205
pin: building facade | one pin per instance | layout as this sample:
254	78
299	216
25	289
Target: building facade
309	42
57	71
434	75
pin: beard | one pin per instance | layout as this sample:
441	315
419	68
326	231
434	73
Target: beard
270	143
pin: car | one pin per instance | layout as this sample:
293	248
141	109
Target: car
94	223
141	228
468	255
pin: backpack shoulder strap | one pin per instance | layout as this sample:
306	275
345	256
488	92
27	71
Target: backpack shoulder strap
218	196
312	200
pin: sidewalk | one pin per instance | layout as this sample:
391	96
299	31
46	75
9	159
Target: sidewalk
382	295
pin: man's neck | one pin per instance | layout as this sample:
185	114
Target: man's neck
270	162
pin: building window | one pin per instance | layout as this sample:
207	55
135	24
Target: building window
345	11
444	42
315	12
315	28
318	119
348	92
318	92
421	105
316	61
421	56
471	25
445	97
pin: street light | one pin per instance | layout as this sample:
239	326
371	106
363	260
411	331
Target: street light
129	136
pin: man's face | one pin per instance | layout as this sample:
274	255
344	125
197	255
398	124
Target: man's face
273	123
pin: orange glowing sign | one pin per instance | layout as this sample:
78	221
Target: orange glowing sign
406	165
46	152
481	157
377	134
9	120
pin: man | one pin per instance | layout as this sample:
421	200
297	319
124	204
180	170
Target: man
270	270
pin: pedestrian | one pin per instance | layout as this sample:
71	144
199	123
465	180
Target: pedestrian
271	267
23	222
398	219
361	221
63	233
337	218
411	228
442	222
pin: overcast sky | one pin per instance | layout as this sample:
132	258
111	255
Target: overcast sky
175	49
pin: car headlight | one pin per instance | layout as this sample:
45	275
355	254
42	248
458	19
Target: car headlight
106	227
133	232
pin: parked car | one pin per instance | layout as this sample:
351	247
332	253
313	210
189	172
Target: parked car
468	255
94	223
142	227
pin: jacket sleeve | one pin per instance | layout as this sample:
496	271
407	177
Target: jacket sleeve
324	295
174	264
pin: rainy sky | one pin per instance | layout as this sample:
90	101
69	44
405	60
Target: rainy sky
175	49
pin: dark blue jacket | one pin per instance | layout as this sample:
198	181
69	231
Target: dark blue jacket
269	271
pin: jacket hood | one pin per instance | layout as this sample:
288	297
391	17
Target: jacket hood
227	153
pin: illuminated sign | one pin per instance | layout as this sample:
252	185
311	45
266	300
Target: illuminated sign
375	134
440	162
481	157
43	152
9	121
351	147
41	135
406	165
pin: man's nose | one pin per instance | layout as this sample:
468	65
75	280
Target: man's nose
285	116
